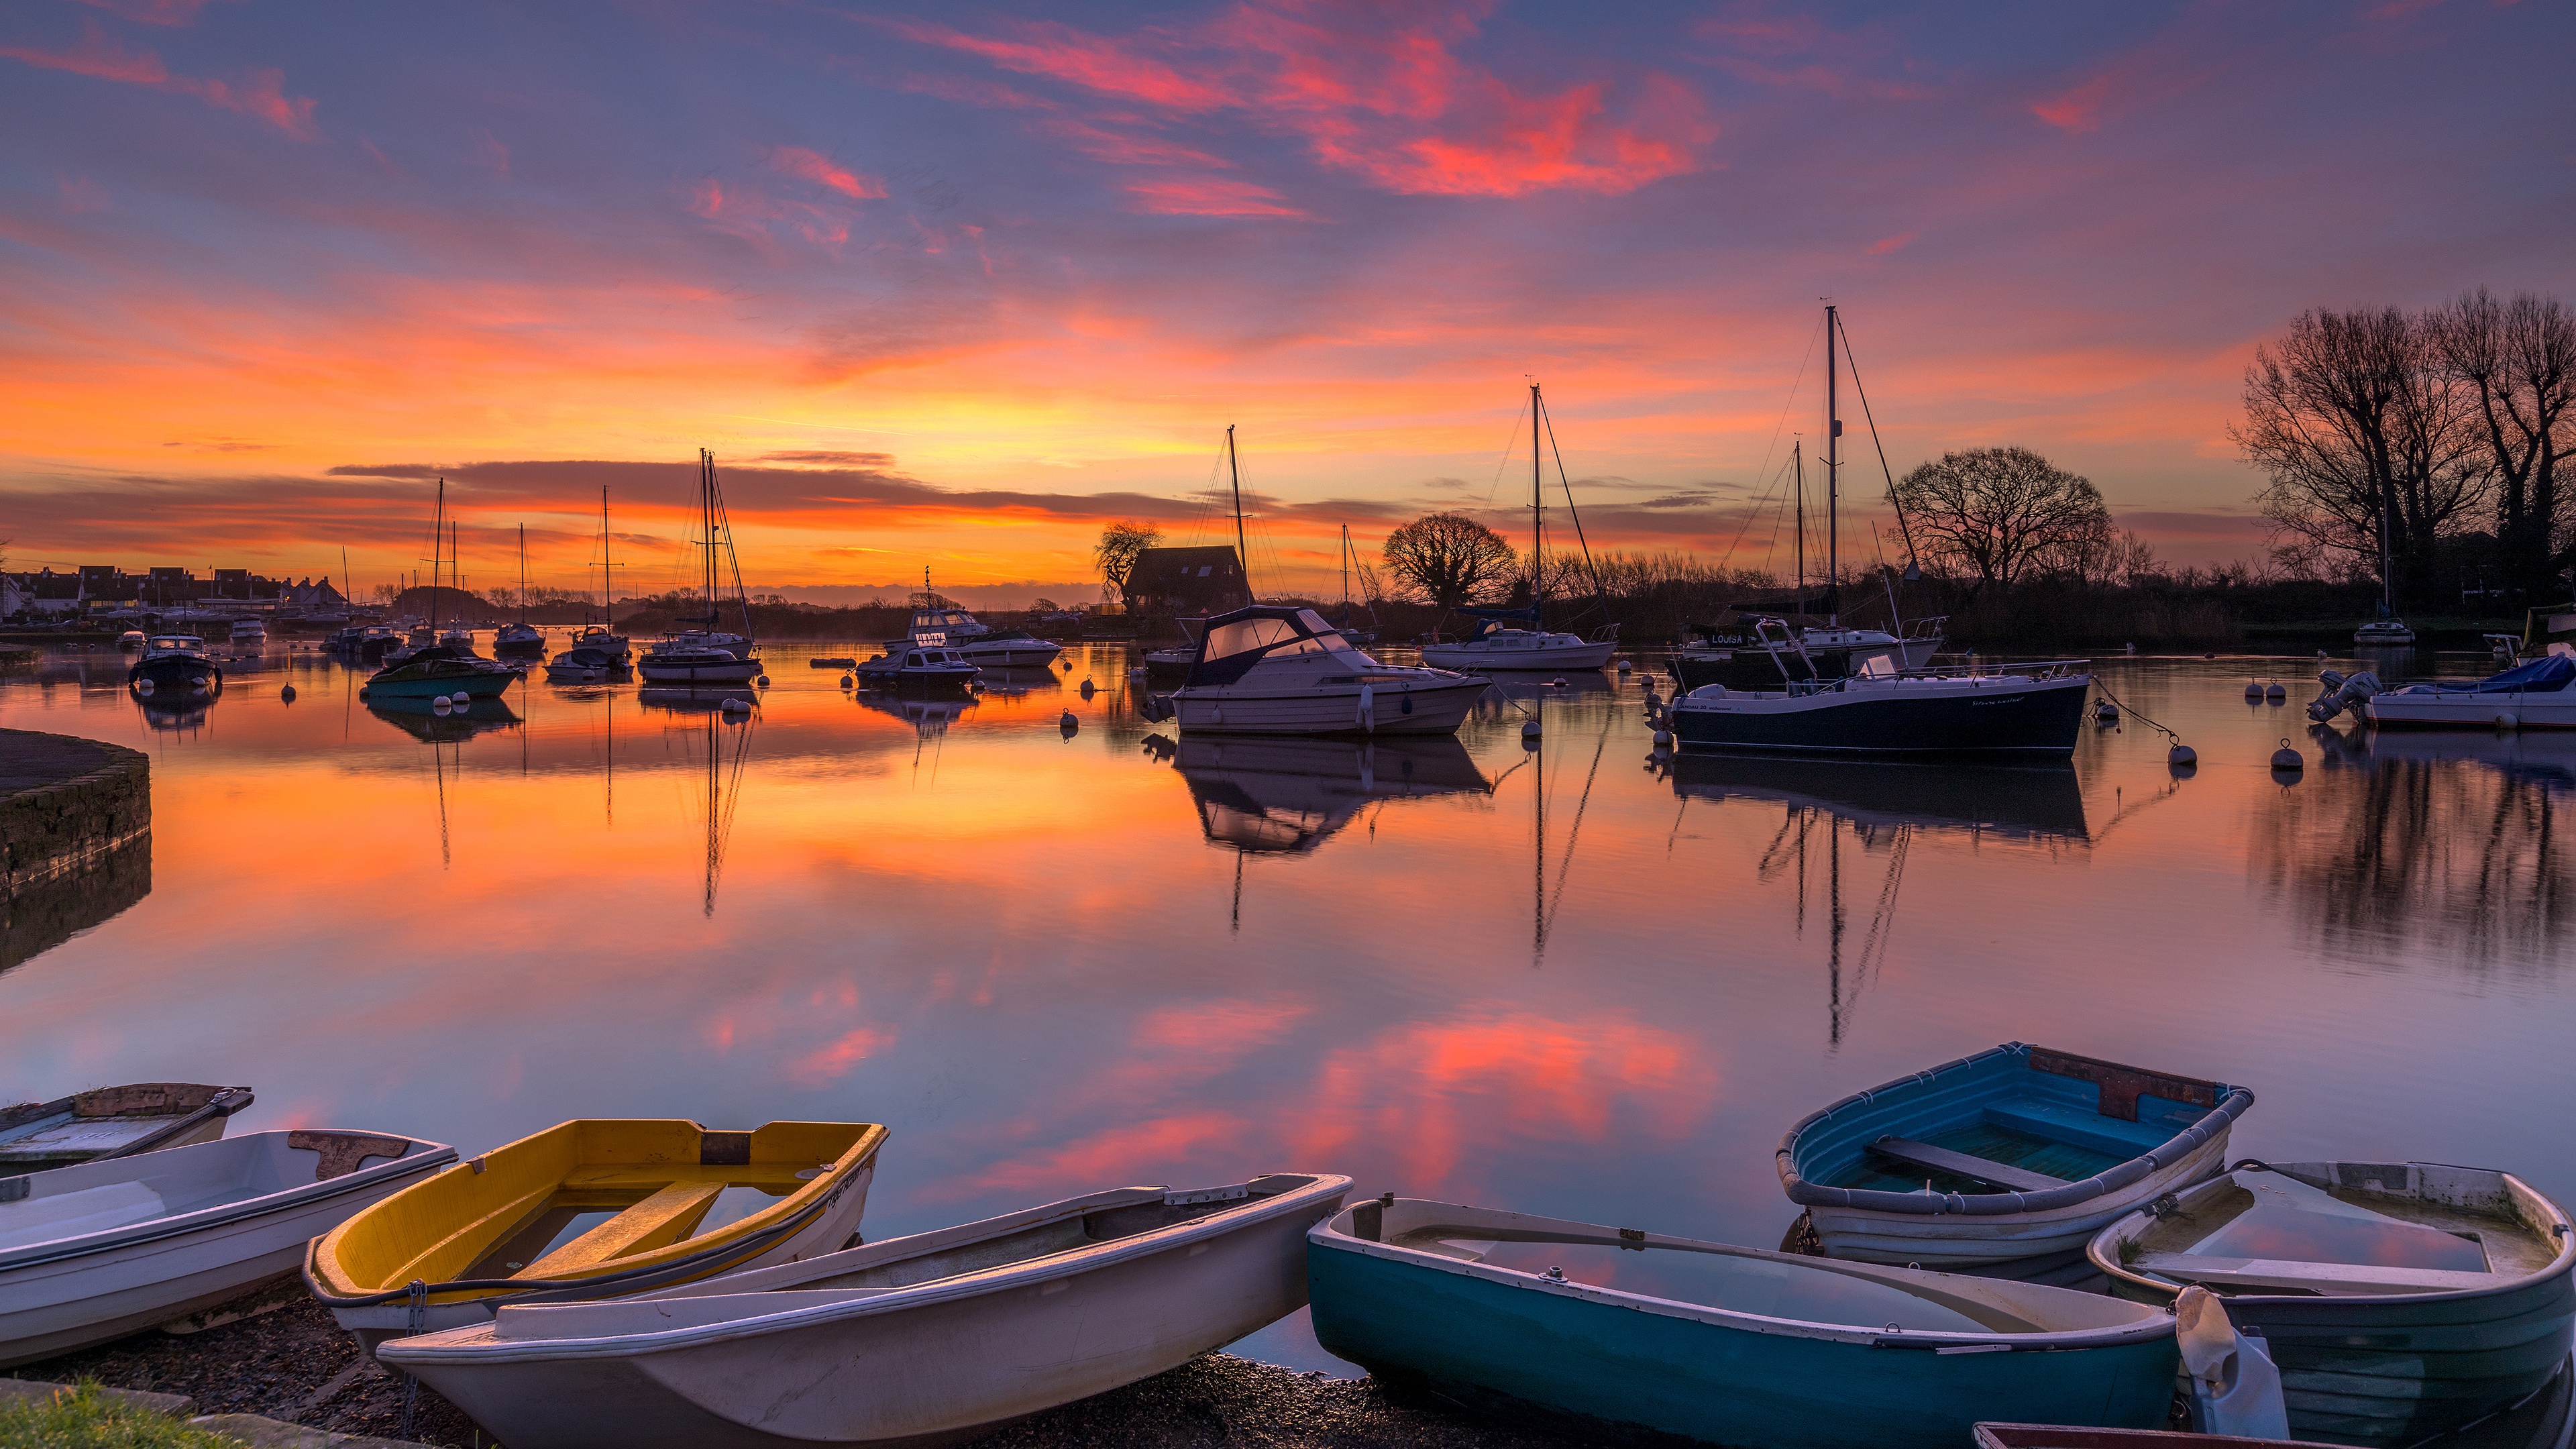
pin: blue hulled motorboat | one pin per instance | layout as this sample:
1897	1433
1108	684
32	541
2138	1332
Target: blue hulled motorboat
175	662
439	671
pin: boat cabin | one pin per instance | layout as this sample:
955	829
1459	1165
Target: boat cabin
1236	643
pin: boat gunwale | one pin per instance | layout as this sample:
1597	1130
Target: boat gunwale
2103	1253
429	1156
745	1236
1328	1235
2232	1103
937	1292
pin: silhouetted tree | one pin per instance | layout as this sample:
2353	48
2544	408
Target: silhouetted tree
2517	362
2000	514
1116	552
1448	559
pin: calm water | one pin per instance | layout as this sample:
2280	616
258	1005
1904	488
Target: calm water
1571	980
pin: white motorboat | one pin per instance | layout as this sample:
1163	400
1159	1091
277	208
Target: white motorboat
249	631
672	663
1495	645
131	639
2383	632
581	666
1275	669
2535	695
460	641
952	1333
95	1252
2034	708
916	664
114	1122
941	623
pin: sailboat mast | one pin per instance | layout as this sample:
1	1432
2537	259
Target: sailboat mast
1346	570
523	573
1798	456
1538	528
1833	478
1234	473
607	599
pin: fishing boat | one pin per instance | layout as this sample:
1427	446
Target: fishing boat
940	622
593	1208
114	1122
175	661
2015	1156
1497	643
708	654
1274	669
934	1338
2400	1300
2535	695
97	1251
2032	710
918	662
439	672
1621	1329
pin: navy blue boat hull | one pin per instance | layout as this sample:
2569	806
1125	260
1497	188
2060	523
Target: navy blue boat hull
2038	719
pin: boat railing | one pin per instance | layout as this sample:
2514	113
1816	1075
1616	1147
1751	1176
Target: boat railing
2030	668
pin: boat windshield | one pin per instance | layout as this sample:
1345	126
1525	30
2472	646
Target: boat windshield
1278	636
177	641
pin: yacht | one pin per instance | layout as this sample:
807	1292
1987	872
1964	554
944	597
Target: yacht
708	655
1496	642
581	666
1728	654
459	638
2383	632
912	664
1278	669
2534	694
520	637
940	624
249	631
603	636
438	671
175	661
2034	709
131	639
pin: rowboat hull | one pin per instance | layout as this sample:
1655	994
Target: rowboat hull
70	1293
1615	1362
75	1129
938	1362
2176	1136
2395	1369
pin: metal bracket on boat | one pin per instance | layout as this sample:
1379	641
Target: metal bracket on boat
1206	1194
14	1188
2165	1206
1632	1240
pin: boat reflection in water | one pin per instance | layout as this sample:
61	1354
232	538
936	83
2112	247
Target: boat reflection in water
1881	805
429	722
175	712
1283	795
929	715
2448	843
697	698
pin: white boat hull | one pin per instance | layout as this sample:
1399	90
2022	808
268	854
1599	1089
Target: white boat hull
1482	657
70	1293
1437	709
940	1362
732	671
1009	654
2459	709
1951	1242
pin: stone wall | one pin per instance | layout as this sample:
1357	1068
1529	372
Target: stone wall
67	806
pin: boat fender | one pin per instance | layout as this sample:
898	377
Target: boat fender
362	693
1560	683
2288	760
1367	716
2504	720
287	694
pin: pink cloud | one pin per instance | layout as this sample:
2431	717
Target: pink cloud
1389	102
831	1062
262	95
1896	243
153	12
1208	196
814	167
2077	111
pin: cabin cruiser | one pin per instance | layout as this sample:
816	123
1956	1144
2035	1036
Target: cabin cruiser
2034	709
2535	695
940	625
1497	645
175	661
439	671
1278	669
130	639
594	636
910	664
1729	654
459	638
249	631
518	639
695	658
581	666
2384	632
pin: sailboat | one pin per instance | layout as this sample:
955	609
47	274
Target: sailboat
458	635
1171	664
1351	557
1496	644
708	655
521	637
438	670
603	636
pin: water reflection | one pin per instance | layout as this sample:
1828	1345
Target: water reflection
35	919
175	712
1288	796
432	723
2440	840
929	717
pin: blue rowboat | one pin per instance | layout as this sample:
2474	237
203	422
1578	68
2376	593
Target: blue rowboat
1617	1326
2007	1160
2401	1300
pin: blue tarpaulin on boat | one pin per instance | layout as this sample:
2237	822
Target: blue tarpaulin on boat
2539	676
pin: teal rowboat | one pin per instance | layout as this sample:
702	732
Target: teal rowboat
1621	1326
2401	1300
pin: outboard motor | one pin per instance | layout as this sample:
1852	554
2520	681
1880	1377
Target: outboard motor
2341	692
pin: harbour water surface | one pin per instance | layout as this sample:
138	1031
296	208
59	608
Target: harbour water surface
1576	980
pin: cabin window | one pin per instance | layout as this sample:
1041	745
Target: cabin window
912	659
1204	568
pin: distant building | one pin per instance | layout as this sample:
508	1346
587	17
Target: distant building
1187	581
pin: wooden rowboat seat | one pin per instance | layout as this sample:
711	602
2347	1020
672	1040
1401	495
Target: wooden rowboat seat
658	1221
1961	1164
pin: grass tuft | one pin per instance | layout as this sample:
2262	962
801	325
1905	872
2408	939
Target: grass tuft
80	1417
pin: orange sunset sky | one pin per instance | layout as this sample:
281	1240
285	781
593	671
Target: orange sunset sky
951	285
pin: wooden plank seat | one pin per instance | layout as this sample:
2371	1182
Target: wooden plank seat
2325	1278
658	1221
1960	1164
2055	1122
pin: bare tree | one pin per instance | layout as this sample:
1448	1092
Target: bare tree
1448	559
1120	543
2517	360
2002	514
2367	442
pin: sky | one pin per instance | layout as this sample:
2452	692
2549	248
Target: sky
950	286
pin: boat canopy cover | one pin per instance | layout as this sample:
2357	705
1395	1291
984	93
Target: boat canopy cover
2537	677
1236	641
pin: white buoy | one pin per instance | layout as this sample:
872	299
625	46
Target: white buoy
2505	721
762	681
2107	712
2276	694
732	705
1625	666
1559	682
1529	729
441	706
144	686
2288	760
2181	757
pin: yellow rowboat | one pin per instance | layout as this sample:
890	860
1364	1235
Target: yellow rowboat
593	1208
